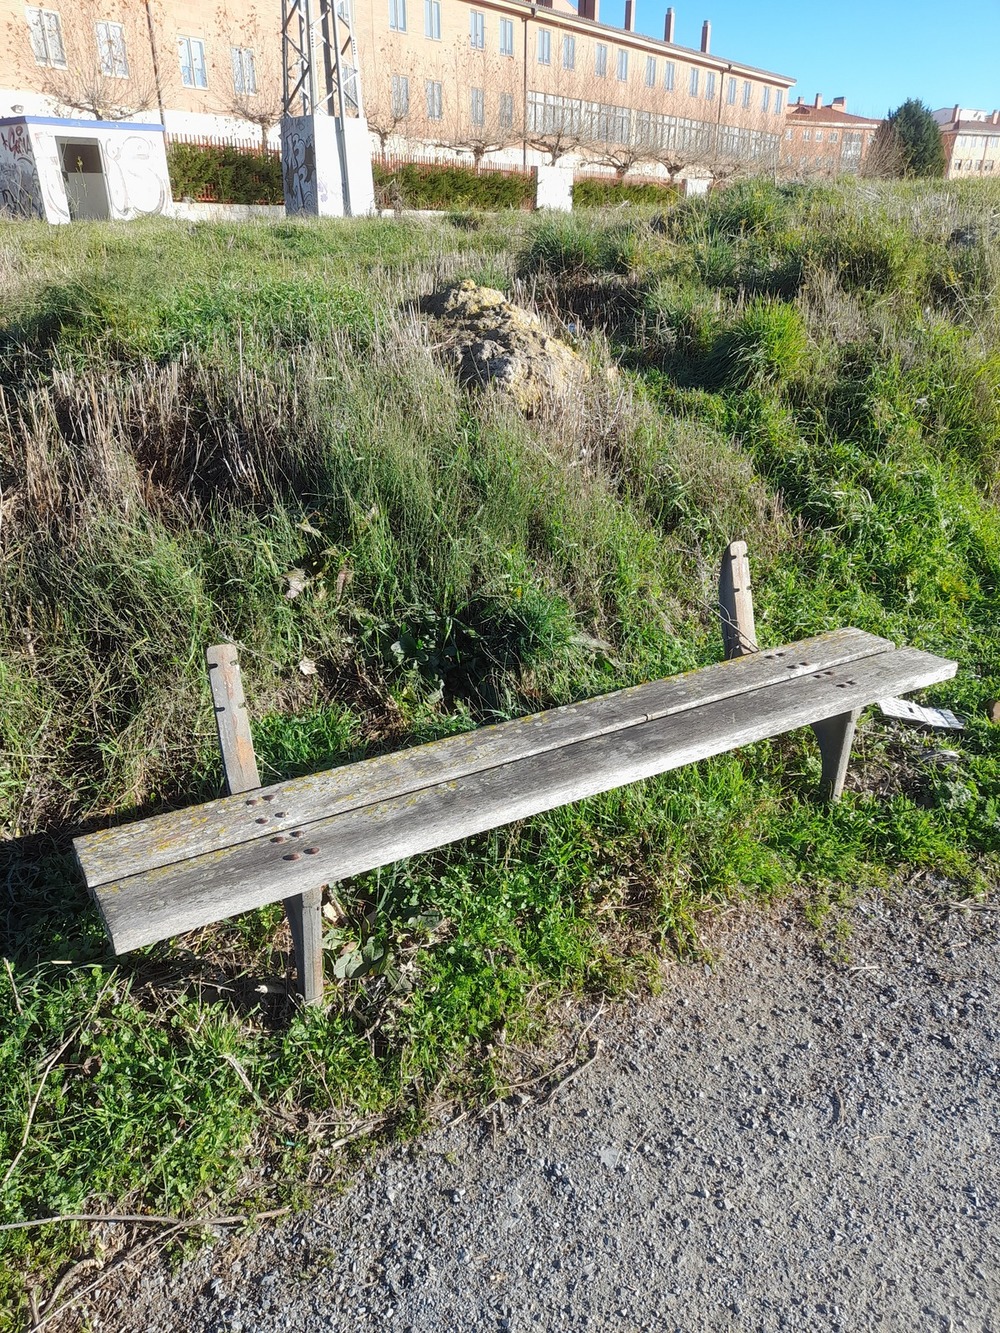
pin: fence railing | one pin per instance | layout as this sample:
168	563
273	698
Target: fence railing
394	161
243	145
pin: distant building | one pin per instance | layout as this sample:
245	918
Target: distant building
503	80
971	141
825	140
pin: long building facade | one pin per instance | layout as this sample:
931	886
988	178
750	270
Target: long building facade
497	80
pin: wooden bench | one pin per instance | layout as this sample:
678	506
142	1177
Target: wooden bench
188	868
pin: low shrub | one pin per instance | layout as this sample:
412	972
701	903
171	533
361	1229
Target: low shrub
224	173
591	193
429	185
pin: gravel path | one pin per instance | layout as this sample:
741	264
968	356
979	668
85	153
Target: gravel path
781	1141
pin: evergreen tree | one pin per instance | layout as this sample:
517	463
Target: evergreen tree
917	139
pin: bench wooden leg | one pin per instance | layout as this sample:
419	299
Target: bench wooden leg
739	635
305	917
239	762
835	736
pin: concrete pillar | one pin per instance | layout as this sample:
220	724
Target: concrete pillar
554	188
326	166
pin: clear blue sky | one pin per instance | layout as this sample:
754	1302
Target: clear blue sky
876	53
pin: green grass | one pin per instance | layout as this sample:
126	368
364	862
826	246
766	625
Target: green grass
192	412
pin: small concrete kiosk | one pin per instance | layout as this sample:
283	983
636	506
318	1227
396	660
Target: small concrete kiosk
82	170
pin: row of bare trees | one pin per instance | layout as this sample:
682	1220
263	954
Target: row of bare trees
473	106
469	103
109	68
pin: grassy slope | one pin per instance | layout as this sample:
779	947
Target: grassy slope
191	412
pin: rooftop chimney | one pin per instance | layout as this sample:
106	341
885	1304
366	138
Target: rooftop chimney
587	9
706	35
630	15
668	27
818	102
840	103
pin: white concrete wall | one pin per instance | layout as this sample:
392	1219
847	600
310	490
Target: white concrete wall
554	188
133	159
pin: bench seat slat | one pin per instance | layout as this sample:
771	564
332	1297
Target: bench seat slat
150	843
210	887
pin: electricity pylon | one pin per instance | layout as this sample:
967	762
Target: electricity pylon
326	149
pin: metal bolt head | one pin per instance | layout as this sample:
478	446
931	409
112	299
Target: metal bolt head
292	856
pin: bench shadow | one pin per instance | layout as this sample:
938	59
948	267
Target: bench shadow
51	923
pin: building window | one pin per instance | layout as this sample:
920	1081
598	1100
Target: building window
111	49
819	136
834	135
507	111
191	53
244	70
746	93
544	46
569	53
400	96
477	30
506	37
807	134
601	60
765	99
693	83
622	66
709	86
432	19
477	106
779	99
45	30
731	92
668	76
651	71
432	91
397	15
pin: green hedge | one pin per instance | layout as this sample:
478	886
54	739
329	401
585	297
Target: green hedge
231	175
592	193
416	185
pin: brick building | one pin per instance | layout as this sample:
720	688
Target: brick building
501	79
971	141
825	140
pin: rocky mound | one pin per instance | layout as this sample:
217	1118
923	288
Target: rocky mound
493	341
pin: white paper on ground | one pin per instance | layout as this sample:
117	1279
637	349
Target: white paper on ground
941	718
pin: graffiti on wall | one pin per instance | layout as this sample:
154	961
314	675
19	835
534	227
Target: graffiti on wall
298	157
136	171
20	188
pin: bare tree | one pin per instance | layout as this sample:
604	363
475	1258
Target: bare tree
91	57
483	112
251	83
884	159
562	120
393	96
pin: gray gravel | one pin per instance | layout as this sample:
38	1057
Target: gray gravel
783	1140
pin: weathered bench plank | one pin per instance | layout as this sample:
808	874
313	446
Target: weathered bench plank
168	900
151	843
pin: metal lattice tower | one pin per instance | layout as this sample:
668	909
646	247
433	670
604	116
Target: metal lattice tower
319	59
